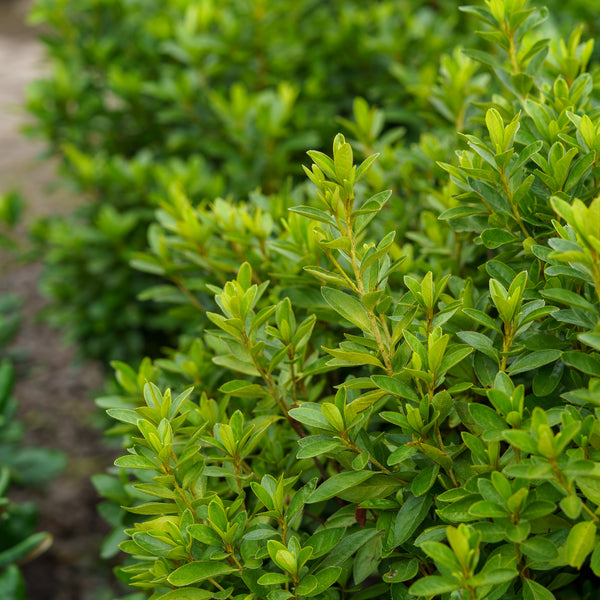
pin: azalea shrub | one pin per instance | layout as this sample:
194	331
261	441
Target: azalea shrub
365	406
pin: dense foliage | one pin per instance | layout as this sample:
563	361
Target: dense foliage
386	393
223	98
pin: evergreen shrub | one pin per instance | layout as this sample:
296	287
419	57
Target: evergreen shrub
378	408
222	98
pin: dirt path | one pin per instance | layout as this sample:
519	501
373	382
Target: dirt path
55	397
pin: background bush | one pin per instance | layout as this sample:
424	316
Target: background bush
223	99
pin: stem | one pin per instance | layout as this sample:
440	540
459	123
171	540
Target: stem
385	470
351	283
509	195
520	568
561	480
179	283
216	584
372	318
506	344
296	426
293	375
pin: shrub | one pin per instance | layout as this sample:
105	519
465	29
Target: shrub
427	424
223	99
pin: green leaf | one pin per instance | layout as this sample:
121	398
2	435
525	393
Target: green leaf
586	363
154	508
401	454
198	571
349	357
486	509
273	579
580	543
393	385
547	378
591	339
423	482
534	591
123	415
443	556
152	545
325	579
315	214
338	483
493	238
367	560
343	161
595	561
402	571
348	546
480	342
486	417
452	358
569	298
481	318
324	540
242	389
433	585
411	514
133	461
378	486
534	360
205	534
521	440
348	307
235	364
315	446
310	414
539	548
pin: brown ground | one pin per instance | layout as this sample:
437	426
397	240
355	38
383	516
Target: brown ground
55	397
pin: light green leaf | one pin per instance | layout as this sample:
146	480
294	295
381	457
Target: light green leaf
273	579
393	385
348	307
580	543
432	585
493	238
198	571
316	445
591	339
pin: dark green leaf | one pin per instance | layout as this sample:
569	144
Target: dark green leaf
338	483
532	361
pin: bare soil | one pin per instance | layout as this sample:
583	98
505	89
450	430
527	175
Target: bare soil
55	397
